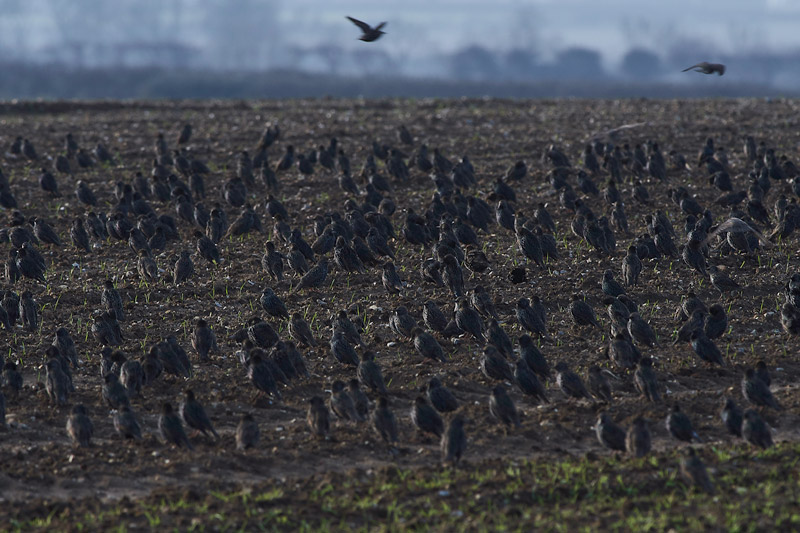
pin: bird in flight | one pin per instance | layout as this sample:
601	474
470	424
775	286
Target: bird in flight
369	33
707	68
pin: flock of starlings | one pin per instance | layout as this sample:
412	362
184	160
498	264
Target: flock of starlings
363	239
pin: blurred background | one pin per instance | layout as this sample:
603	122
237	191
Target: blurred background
300	48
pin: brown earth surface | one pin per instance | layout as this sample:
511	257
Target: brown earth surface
42	474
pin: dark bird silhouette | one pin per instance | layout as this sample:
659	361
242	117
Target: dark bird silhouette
171	428
732	417
570	383
693	470
440	396
369	34
638	440
502	407
454	441
126	425
203	340
598	384
757	392
318	417
194	414
679	425
609	434
247	432
707	68
79	426
384	421
755	430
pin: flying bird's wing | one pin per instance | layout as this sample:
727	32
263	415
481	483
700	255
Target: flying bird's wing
363	25
702	65
719	68
736	225
382	24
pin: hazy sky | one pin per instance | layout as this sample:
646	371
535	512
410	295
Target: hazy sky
610	26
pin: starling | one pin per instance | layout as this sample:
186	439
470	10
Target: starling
637	439
440	397
79	426
79	236
757	392
66	346
612	287
204	340
112	300
56	383
453	276
390	278
343	324
631	267
342	404
131	376
433	317
497	337
582	313
482	302
300	331
195	415
425	417
315	277
384	421
427	346
640	331
114	393
707	68
570	383
85	194
341	349
528	383
598	384
13	379
261	377
360	399
694	472
171	428
368	33
755	430
679	425
530	320
609	434
693	256
29	311
273	305
318	417
622	352
494	366
370	375
534	358
126	425
184	268
454	441
790	319
530	247
44	232
469	320
721	281
272	262
695	323
502	407
705	348
247	432
732	417
646	380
